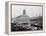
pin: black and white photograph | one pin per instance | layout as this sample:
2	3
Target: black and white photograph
26	17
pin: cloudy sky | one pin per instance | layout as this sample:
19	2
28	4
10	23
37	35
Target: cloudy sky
30	10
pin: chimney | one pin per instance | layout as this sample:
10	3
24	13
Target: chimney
24	12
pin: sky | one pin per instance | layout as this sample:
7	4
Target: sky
31	11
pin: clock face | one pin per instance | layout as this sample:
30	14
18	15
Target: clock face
26	18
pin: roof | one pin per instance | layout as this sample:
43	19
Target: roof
22	16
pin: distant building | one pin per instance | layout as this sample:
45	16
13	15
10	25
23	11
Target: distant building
23	19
